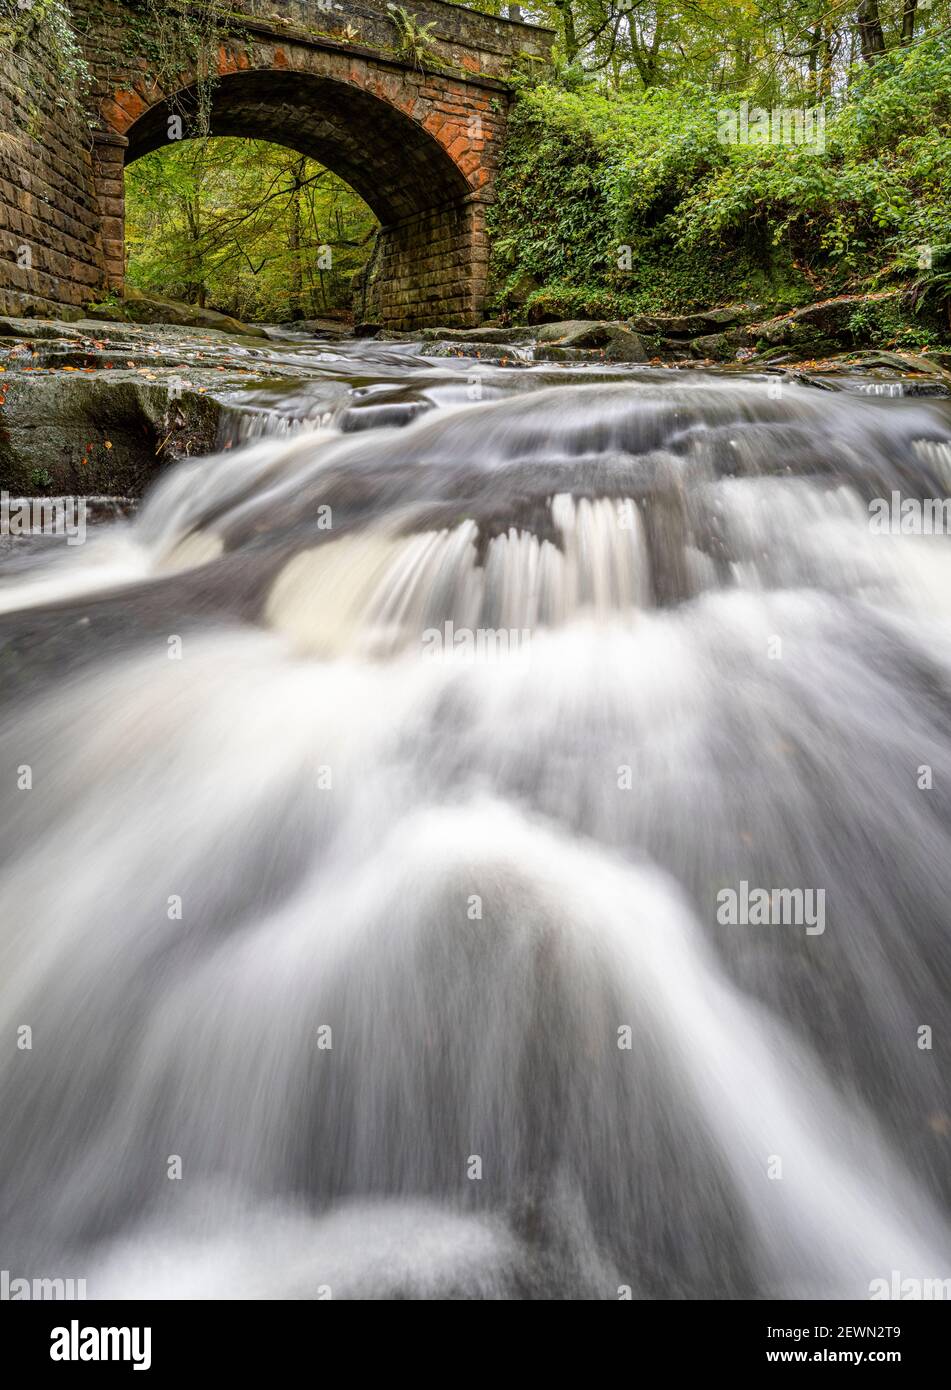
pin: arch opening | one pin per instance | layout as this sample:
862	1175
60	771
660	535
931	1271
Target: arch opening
405	161
398	168
249	228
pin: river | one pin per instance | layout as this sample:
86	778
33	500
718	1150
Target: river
371	800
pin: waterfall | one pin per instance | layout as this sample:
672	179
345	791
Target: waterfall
386	772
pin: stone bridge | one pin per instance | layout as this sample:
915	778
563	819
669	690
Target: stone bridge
415	129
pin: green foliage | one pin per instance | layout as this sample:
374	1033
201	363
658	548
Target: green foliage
250	228
586	175
864	208
590	186
793	49
889	323
559	301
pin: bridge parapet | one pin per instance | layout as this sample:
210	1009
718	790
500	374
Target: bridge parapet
454	38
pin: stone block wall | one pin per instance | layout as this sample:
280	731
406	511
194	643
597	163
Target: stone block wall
431	269
50	250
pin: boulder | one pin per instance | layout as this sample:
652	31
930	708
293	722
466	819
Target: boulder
488	333
716	346
463	347
320	328
88	409
74	434
135	307
520	290
707	321
817	327
617	341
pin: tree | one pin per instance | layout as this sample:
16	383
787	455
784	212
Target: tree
871	37
244	226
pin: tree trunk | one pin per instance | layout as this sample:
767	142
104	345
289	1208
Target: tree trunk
909	11
871	38
815	44
572	45
195	292
295	299
828	53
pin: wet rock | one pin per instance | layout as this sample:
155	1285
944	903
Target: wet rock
30	328
320	328
674	349
135	307
552	352
87	410
905	373
617	342
573	332
78	435
816	327
695	325
937	365
478	348
488	333
717	347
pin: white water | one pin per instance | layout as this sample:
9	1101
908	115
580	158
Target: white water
329	805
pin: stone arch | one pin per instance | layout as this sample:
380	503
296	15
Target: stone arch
418	150
397	166
61	194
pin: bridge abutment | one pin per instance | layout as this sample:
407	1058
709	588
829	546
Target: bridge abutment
50	220
109	154
432	268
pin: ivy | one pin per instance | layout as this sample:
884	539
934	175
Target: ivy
53	20
181	42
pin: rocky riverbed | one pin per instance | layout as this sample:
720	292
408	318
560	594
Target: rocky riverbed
99	408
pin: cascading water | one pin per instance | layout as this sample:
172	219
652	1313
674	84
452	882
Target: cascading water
387	773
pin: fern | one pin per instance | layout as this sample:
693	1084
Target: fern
414	41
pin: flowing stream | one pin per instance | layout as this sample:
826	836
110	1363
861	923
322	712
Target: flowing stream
387	771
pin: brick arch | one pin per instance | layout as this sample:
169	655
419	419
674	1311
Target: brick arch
398	166
420	149
332	78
